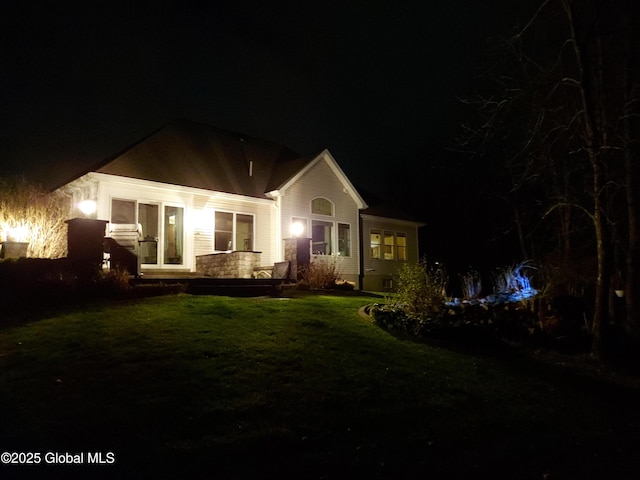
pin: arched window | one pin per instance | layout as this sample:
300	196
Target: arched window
321	206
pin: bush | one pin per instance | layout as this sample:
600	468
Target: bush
512	279
418	305
394	317
471	283
321	273
421	289
116	281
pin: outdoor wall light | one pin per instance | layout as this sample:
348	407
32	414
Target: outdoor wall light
88	207
18	234
297	229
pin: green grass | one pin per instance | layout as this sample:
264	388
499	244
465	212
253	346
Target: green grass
216	387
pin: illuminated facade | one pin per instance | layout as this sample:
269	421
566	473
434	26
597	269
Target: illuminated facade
190	190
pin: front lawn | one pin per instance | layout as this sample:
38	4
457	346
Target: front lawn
216	387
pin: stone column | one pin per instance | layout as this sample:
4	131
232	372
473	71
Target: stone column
85	243
297	251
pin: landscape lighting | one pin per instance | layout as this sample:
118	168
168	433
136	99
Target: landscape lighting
18	234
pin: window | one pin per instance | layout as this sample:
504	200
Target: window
173	235
123	212
233	231
158	230
401	247
388	245
376	241
224	231
344	239
321	206
244	232
148	228
321	237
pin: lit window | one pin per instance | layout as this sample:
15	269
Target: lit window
173	235
344	240
376	241
388	245
244	232
321	206
401	246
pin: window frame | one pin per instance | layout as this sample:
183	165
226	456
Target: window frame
401	248
375	246
234	230
383	245
161	261
348	239
329	203
328	246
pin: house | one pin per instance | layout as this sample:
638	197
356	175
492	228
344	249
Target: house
189	193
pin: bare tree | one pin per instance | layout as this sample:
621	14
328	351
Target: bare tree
31	214
564	119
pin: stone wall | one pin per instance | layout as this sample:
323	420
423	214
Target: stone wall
238	264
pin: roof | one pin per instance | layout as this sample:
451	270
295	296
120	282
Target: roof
191	154
377	207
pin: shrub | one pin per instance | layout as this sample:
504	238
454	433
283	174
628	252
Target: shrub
421	289
394	317
321	273
512	279
116	280
471	283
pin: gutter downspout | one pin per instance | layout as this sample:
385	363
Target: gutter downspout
360	253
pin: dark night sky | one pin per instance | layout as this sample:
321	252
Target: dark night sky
374	82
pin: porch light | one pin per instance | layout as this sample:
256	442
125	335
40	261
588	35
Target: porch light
18	234
297	229
88	207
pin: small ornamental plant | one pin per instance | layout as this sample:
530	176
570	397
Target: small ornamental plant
471	284
514	281
321	273
418	302
421	289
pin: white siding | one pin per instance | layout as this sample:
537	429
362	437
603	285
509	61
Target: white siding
200	207
264	218
321	181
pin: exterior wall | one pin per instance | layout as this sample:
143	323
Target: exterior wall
199	214
272	218
264	213
378	272
321	181
228	265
